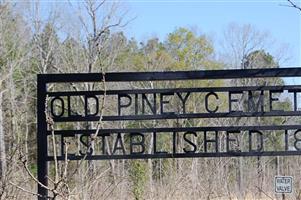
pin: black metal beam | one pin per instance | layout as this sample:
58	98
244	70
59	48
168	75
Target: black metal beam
42	139
180	155
180	129
173	75
178	116
296	88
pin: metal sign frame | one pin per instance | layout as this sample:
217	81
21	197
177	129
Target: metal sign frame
42	133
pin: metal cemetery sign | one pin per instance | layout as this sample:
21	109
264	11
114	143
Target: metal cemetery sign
149	106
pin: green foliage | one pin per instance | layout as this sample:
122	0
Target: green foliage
260	59
189	50
137	174
182	50
33	169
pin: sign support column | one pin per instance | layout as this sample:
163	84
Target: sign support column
42	140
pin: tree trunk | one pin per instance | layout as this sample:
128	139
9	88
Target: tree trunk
2	143
241	178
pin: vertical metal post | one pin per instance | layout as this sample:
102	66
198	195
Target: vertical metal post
42	139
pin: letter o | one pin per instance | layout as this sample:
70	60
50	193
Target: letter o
52	110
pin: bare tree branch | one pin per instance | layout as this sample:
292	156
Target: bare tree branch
23	189
294	5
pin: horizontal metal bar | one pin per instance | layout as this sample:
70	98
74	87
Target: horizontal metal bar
180	129
174	90
172	75
181	155
178	116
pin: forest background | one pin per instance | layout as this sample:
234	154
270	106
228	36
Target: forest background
93	37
